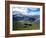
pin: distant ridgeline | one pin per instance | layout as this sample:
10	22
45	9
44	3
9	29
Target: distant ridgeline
25	18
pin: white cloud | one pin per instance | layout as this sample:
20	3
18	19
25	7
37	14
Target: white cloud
24	11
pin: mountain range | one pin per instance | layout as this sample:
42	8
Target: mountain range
21	17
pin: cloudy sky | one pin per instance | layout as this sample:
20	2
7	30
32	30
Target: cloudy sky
26	10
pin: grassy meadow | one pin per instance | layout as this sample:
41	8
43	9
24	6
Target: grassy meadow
19	25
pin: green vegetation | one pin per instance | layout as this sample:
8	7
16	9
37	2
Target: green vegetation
19	25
